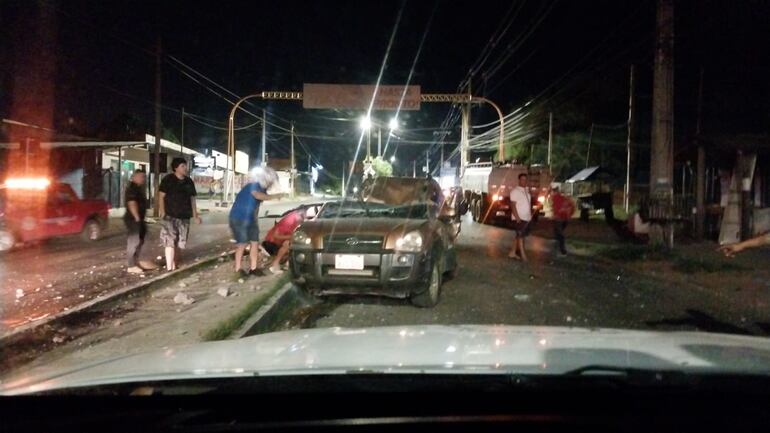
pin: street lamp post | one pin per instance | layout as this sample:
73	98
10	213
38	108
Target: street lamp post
230	177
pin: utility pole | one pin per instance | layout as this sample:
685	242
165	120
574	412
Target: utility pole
700	176
158	127
627	190
264	140
464	136
379	142
662	152
550	138
427	162
590	138
293	177
369	143
414	168
181	144
343	179
442	157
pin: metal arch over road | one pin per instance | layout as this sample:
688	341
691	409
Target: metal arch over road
455	98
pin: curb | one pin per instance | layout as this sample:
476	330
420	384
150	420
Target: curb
284	302
113	297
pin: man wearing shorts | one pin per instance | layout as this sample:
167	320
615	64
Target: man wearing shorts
177	206
278	238
243	222
521	214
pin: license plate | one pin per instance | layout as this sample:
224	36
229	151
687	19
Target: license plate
349	261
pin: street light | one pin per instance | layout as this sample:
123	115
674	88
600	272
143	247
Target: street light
393	124
393	159
365	123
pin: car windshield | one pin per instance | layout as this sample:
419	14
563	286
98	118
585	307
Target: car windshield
246	188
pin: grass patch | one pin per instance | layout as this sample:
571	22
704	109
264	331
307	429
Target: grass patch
586	245
688	265
631	253
226	327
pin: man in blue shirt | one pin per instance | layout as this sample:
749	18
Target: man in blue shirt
243	221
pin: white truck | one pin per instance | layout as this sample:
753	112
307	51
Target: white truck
487	188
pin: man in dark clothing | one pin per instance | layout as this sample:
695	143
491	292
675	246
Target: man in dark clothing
177	206
136	208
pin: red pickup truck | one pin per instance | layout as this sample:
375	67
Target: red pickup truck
36	209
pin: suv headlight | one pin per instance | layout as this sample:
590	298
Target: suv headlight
410	242
300	238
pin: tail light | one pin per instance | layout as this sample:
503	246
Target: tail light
37	183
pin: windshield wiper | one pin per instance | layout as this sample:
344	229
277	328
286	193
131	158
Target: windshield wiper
360	199
637	375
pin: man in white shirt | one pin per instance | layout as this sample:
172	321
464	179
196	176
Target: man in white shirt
521	214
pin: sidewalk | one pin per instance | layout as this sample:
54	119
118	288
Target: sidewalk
157	320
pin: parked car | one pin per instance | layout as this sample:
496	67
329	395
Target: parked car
33	210
395	239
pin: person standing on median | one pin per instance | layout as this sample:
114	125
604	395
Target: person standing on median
563	208
136	208
244	217
177	207
521	214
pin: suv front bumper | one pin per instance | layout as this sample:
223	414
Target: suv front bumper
386	273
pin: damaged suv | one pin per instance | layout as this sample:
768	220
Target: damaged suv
395	239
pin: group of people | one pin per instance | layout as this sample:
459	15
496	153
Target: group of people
245	227
176	201
177	208
523	211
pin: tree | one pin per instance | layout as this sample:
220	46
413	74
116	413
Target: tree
170	136
382	167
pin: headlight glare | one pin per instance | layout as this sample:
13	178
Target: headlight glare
410	242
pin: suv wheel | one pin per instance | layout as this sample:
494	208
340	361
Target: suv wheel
7	240
92	230
429	298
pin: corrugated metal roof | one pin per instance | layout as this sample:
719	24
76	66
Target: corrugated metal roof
583	174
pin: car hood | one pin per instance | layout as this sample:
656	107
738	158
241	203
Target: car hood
319	228
418	349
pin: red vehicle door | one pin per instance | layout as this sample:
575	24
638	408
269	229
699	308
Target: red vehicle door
61	211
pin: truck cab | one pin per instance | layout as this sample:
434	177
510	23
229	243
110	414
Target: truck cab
487	188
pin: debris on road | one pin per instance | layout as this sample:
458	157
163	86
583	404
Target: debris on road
223	292
58	339
182	298
19	293
521	298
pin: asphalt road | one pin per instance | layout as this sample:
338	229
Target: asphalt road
59	274
576	290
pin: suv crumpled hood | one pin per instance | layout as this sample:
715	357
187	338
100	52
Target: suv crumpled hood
319	228
421	349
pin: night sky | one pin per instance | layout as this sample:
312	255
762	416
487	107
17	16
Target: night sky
569	57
